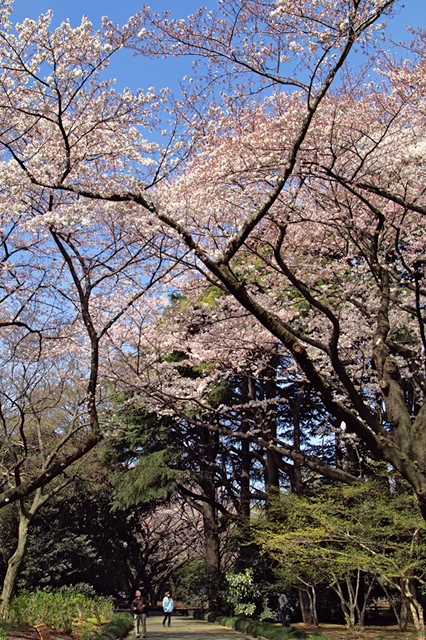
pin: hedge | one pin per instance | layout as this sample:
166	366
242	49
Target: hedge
255	629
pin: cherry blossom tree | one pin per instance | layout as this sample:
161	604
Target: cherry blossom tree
274	206
259	189
71	269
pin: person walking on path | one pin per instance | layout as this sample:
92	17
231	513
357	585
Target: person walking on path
139	608
282	609
167	608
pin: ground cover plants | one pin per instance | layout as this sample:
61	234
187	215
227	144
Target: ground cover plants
58	610
256	629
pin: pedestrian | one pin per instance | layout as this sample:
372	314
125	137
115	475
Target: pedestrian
139	608
282	609
167	608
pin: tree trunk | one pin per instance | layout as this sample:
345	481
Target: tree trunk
211	532
409	603
366	597
269	428
245	479
403	616
308	608
295	406
26	516
212	555
349	604
248	392
408	593
15	562
398	607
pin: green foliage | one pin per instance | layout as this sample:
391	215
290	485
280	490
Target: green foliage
118	627
55	559
79	539
79	589
249	556
212	294
143	456
241	592
57	610
4	626
9	523
210	617
193	584
151	478
255	629
344	528
267	614
332	537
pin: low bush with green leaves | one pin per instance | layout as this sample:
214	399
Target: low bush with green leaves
58	609
118	627
255	629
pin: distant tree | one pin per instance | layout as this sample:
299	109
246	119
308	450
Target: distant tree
77	538
343	534
35	407
163	458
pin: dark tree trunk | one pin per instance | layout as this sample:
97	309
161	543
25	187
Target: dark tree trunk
296	477
248	393
308	609
209	511
269	428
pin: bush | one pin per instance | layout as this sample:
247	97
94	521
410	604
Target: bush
57	610
193	584
118	627
267	615
256	629
4	626
81	588
241	592
210	617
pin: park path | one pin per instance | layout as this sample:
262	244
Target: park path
183	628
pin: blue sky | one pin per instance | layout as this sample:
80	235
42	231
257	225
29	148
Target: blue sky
413	12
134	72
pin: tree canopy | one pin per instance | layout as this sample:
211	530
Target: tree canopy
244	261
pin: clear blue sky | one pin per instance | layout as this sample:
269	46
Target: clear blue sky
134	72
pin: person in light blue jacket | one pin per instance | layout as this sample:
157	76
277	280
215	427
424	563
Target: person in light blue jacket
167	608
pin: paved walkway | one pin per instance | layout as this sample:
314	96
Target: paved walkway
186	629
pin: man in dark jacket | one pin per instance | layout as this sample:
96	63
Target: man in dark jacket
282	609
139	609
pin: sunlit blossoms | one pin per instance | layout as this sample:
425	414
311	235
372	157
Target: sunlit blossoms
274	181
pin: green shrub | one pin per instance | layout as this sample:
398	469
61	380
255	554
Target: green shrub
210	617
255	629
118	627
81	588
242	592
57	610
224	621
